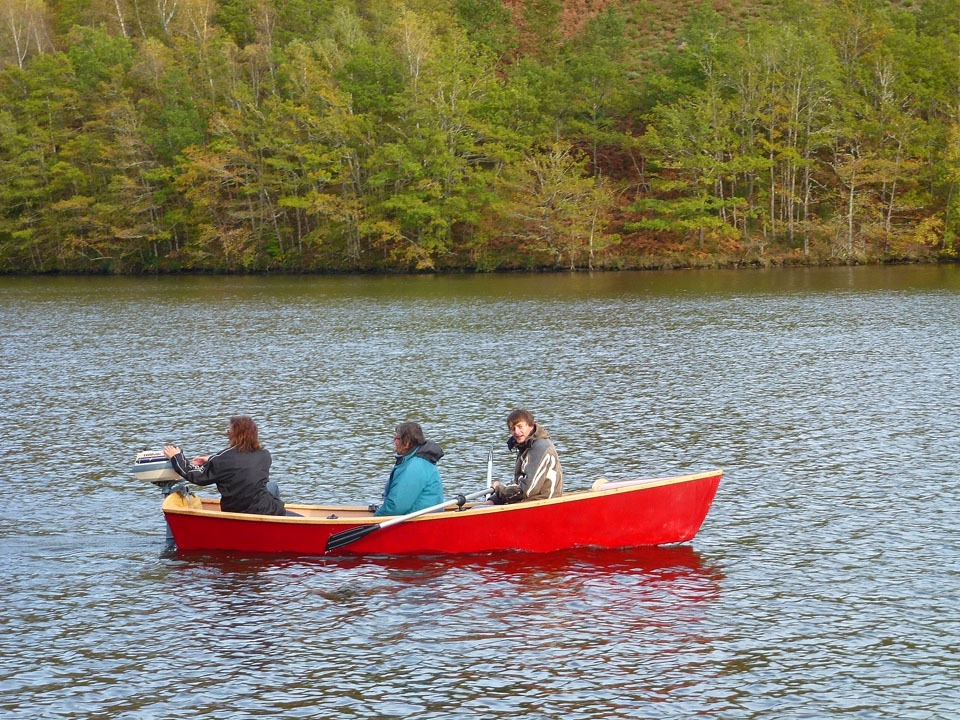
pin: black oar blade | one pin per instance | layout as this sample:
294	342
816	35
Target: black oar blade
338	540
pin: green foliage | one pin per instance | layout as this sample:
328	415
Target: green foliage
238	19
489	24
98	57
422	135
66	14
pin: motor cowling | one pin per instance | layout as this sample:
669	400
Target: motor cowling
154	467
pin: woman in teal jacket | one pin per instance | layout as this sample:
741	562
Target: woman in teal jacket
414	482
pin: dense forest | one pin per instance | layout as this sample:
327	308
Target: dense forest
475	135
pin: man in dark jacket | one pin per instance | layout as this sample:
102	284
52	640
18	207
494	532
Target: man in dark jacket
537	474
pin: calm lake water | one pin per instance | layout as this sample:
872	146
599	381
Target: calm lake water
824	582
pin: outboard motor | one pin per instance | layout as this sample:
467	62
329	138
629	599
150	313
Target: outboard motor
152	466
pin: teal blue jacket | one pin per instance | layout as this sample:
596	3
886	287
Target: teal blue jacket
414	482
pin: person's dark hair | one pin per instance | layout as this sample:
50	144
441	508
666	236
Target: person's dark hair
517	415
244	435
410	435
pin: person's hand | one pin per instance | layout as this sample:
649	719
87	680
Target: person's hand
199	461
170	451
496	484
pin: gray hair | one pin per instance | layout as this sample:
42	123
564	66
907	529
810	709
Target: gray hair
410	435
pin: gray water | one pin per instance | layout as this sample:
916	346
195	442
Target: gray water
824	582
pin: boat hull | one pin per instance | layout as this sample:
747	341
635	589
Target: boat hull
615	515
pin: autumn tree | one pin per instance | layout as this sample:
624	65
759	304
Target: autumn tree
24	30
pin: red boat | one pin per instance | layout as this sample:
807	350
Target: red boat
660	511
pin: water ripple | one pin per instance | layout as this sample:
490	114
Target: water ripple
823	583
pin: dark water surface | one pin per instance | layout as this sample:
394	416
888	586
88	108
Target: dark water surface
824	583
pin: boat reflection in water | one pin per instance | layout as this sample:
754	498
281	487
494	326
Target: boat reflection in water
589	580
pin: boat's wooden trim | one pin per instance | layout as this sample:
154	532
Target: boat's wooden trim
625	486
199	505
603	485
356	514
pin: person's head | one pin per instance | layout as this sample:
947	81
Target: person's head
407	436
243	433
521	424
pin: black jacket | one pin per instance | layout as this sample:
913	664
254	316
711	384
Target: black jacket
241	478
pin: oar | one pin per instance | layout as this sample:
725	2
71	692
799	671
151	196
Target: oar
490	469
338	540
